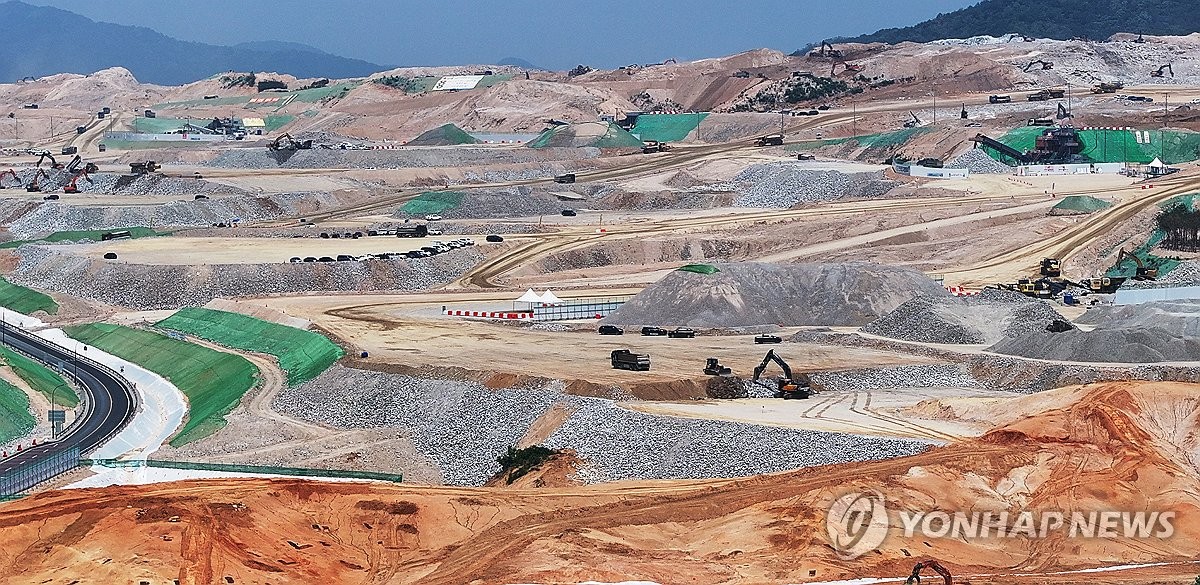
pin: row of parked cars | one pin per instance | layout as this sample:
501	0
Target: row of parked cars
679	332
434	248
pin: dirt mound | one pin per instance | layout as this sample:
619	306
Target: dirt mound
1150	332
984	318
586	134
747	293
1118	446
444	135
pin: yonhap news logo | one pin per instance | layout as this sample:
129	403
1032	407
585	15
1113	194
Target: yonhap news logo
858	522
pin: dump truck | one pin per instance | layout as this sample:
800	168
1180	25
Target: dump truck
1108	87
652	146
565	179
142	168
1000	99
623	359
1051	267
769	140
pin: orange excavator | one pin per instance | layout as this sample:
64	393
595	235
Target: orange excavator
71	187
33	185
936	567
7	173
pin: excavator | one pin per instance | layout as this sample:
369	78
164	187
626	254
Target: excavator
788	387
827	50
1165	68
1143	272
1063	112
936	567
71	187
34	186
914	122
73	166
1045	65
43	155
286	142
849	68
6	173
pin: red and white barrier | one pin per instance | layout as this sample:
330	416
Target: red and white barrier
502	315
959	291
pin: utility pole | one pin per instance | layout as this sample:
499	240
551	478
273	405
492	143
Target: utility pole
1162	135
854	116
1070	109
935	106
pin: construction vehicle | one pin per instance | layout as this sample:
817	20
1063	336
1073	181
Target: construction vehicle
914	122
803	156
1045	65
1046	94
767	338
1000	99
847	68
936	567
1039	122
72	187
42	156
787	387
1063	113
1141	39
929	163
1054	146
1100	285
826	50
1165	68
1143	272
1108	87
713	367
1051	267
6	173
286	142
143	168
34	186
963	113
652	146
681	333
623	359
150	114
565	179
117	235
80	129
769	140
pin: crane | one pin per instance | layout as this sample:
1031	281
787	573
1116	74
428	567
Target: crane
789	386
936	567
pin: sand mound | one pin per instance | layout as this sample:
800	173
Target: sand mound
984	318
745	294
585	134
444	135
1118	446
1079	205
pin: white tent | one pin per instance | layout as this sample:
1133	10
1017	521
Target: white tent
1157	164
549	299
529	297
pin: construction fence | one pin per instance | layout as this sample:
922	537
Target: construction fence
25	477
578	309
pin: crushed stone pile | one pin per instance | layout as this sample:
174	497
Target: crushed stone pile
152	287
444	135
463	435
978	161
746	294
1181	318
1185	274
785	184
321	158
984	318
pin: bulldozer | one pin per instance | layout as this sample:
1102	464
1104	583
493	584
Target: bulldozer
1143	272
936	567
286	142
1163	71
1045	65
713	367
789	386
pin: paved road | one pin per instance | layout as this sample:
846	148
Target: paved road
110	402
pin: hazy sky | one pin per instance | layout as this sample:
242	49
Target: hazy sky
553	34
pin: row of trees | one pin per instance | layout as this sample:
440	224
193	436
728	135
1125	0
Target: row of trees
1182	228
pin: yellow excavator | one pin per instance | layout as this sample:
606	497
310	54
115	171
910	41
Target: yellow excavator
1143	272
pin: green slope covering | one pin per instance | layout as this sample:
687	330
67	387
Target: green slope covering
15	418
213	381
667	127
433	202
444	135
302	354
1101	146
25	300
40	378
1080	204
699	268
75	236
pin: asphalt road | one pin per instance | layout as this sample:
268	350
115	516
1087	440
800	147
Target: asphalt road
109	406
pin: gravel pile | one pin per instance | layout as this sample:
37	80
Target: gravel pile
1186	274
745	294
1181	318
915	376
319	158
978	161
153	185
785	184
145	287
985	318
462	428
1126	345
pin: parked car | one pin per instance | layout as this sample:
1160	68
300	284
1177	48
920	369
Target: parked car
435	232
611	330
495	238
110	255
310	258
653	331
681	333
765	338
296	260
433	218
569	213
345	258
325	259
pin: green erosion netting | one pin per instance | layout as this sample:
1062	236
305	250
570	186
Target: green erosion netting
667	127
566	137
277	121
40	378
15	418
433	202
161	125
444	135
75	236
1081	204
699	268
213	381
1164	265
1172	146
24	300
302	354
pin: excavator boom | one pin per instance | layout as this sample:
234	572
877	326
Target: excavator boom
915	577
